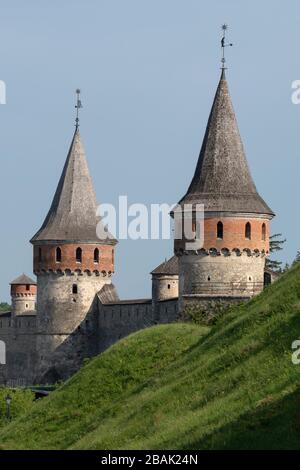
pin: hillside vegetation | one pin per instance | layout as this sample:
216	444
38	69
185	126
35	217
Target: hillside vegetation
183	386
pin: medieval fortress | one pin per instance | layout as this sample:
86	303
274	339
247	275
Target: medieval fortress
73	310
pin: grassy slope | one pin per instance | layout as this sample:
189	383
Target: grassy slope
183	387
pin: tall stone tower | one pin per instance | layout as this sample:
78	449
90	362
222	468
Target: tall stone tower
71	264
231	261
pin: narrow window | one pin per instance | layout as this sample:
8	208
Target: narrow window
79	255
208	278
194	229
113	256
27	287
220	230
169	287
263	232
40	255
58	255
248	231
74	289
26	305
96	255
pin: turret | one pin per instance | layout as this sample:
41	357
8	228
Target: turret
23	295
165	280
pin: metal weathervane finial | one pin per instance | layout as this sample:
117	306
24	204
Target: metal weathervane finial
223	45
77	106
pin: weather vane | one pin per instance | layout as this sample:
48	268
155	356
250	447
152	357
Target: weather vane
77	106
223	45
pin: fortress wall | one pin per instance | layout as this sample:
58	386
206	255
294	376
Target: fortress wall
120	319
167	311
20	341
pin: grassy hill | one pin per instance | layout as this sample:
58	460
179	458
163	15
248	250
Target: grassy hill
183	386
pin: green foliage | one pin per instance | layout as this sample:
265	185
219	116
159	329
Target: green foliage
4	307
276	244
22	401
214	310
297	259
183	386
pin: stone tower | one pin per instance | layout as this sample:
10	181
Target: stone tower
165	280
71	264
23	295
230	263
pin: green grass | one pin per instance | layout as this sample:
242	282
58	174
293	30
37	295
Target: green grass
183	386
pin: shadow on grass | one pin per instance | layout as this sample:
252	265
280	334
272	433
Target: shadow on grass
272	425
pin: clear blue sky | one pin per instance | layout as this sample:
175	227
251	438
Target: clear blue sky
148	71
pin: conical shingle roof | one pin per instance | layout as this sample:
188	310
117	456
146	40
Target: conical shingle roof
23	280
72	215
169	267
222	180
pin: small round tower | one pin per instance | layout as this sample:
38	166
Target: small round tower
165	280
23	295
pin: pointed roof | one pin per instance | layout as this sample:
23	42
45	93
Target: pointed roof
169	267
72	215
222	180
23	280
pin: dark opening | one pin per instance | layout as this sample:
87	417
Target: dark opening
248	231
27	287
79	255
220	230
58	255
169	287
96	255
267	279
263	232
75	289
40	254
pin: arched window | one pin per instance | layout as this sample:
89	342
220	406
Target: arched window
96	255
113	256
78	255
58	255
40	254
220	230
74	289
248	231
263	232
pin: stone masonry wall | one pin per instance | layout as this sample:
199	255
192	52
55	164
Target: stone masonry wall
19	337
118	320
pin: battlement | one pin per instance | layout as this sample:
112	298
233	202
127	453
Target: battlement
22	324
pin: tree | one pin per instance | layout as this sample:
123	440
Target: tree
4	307
276	244
297	259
